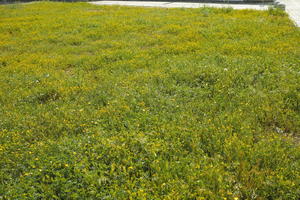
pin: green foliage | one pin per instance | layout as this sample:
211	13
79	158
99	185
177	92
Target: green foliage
276	11
100	102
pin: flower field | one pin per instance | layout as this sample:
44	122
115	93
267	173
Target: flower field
109	102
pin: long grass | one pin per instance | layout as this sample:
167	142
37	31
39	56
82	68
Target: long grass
100	102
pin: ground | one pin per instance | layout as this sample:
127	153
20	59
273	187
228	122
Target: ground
109	102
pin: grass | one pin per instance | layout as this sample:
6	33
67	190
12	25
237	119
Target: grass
144	103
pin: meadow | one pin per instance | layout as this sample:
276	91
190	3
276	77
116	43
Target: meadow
109	102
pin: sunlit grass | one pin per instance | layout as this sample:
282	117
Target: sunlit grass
144	103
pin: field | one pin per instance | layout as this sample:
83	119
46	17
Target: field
144	103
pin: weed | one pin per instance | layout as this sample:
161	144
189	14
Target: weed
110	102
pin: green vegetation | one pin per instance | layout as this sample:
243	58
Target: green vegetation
219	1
144	103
